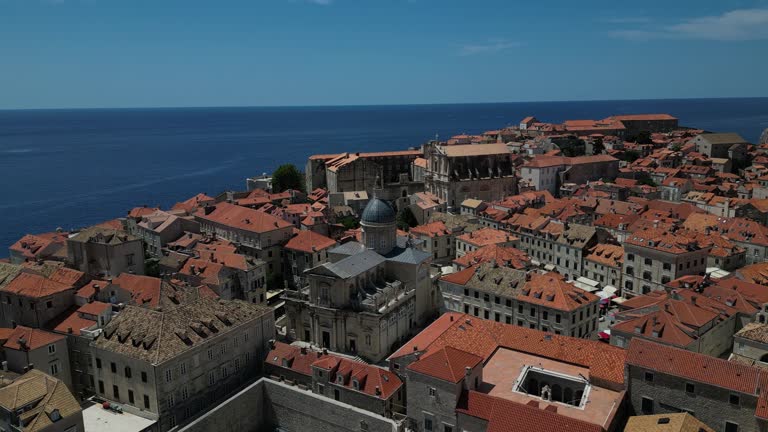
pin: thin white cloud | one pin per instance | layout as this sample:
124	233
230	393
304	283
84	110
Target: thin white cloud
735	25
320	2
492	46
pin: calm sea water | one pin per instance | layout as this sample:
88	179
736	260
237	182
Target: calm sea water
72	168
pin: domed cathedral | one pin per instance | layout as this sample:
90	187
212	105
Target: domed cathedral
379	227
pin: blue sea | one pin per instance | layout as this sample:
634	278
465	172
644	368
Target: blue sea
73	168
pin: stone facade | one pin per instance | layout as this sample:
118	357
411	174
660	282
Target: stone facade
455	173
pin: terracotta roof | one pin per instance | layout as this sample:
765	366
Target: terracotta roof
482	338
32	338
504	415
309	241
292	357
448	364
368	377
693	366
550	161
607	254
502	255
244	218
551	290
475	150
641	117
40	245
431	229
36	286
144	290
486	236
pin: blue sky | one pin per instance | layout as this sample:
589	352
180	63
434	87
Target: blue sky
149	53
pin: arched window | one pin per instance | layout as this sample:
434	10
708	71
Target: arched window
568	396
764	358
577	397
533	387
557	393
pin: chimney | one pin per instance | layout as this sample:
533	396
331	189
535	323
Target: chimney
4	365
415	348
467	371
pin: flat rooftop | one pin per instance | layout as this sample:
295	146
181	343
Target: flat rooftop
97	419
506	368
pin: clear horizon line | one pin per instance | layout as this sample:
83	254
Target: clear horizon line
374	105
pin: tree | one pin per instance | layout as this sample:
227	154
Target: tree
643	137
406	219
598	147
286	177
631	156
647	181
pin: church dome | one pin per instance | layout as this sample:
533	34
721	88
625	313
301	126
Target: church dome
378	212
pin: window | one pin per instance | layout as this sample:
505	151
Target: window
545	315
101	386
647	405
184	393
447	428
170	402
734	399
666	266
690	388
520	308
533	312
172	421
116	392
143	377
428	424
51	349
211	377
210	353
54	369
336	394
49	304
557	318
146	401
648	261
731	427
129	259
113	367
130	396
183	367
432	391
649	377
168	375
127	372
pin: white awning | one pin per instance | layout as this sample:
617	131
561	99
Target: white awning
585	287
588	281
549	267
610	289
619	300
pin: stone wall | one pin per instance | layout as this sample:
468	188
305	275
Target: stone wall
267	405
707	403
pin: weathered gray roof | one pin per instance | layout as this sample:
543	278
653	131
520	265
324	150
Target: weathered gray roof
192	318
377	211
8	272
408	256
354	265
498	280
349	248
102	235
576	235
723	138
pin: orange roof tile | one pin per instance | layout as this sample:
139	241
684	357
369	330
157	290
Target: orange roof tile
32	338
309	241
244	218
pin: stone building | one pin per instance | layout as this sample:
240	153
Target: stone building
305	251
718	145
80	328
171	362
105	252
603	264
654	257
634	123
683	318
539	301
33	247
474	375
25	349
551	172
37	402
259	234
34	299
455	173
390	171
348	381
162	227
572	245
370	296
728	397
538	235
750	345
474	240
436	240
